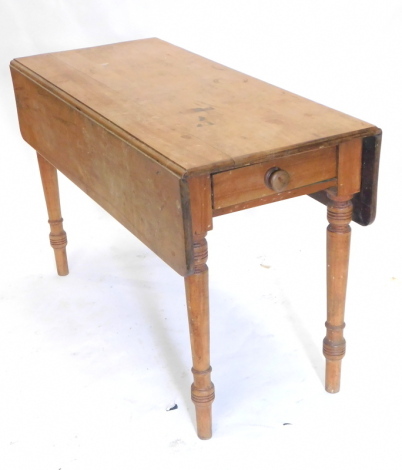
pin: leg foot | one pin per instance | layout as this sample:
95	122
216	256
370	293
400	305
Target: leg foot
202	395
58	237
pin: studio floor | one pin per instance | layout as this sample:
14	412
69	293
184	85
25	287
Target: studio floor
91	362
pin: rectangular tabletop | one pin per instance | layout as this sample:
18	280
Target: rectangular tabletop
190	113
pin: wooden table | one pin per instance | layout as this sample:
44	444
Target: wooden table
165	140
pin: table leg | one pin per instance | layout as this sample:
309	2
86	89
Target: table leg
58	237
202	390
338	245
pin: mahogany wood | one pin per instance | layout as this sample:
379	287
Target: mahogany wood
58	237
165	140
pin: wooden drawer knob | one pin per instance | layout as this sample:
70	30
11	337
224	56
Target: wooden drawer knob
277	179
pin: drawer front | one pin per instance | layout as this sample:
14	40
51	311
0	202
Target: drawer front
275	176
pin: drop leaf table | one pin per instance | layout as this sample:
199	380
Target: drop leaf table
165	140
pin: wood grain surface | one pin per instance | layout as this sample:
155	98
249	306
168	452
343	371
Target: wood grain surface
137	191
194	113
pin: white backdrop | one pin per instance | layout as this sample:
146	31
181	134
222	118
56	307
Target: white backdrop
89	363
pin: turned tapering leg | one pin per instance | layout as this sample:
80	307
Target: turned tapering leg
202	390
58	237
338	245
